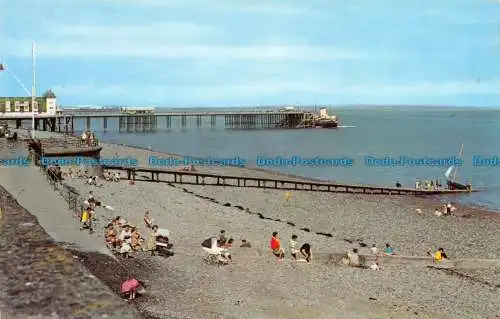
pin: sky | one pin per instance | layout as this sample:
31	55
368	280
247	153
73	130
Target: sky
173	53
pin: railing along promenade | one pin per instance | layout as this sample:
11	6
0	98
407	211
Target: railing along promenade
198	178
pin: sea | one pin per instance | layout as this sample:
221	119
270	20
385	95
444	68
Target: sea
373	139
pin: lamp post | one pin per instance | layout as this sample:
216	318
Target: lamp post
33	92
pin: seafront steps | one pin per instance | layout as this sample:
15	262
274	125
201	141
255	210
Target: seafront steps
198	178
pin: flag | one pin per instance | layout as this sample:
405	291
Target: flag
2	67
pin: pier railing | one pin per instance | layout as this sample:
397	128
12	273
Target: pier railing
197	178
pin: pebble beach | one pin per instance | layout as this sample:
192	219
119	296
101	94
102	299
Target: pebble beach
256	286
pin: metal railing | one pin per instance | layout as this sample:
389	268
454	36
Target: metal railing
68	193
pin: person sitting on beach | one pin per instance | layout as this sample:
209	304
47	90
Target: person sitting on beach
136	239
389	250
127	231
353	258
115	223
129	288
111	235
147	220
126	241
438	213
222	238
374	250
305	250
116	177
276	246
292	246
439	255
228	244
119	222
108	176
245	244
375	265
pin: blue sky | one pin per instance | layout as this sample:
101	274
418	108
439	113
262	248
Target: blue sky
230	52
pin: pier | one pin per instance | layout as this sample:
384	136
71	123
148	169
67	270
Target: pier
197	178
64	121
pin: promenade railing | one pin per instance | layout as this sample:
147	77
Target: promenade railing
70	195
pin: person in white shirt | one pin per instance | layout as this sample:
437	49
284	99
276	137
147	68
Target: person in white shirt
353	257
116	178
126	241
126	234
292	246
437	212
375	265
374	250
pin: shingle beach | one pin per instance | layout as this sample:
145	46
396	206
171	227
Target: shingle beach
255	285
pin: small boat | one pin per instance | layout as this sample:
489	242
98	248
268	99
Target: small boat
328	123
451	174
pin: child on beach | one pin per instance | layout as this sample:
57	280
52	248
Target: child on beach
292	246
86	219
276	247
245	244
288	195
305	250
389	250
440	255
147	220
222	238
374	250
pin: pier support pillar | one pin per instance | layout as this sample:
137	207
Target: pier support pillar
88	123
183	121
213	119
18	123
198	120
105	123
44	124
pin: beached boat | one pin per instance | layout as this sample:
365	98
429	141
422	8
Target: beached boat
451	175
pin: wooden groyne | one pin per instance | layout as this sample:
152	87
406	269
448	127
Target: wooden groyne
198	178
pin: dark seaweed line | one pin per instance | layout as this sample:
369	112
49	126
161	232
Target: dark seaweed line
248	211
454	272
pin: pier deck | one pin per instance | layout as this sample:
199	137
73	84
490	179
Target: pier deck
147	122
197	178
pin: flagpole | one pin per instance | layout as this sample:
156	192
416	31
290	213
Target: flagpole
33	90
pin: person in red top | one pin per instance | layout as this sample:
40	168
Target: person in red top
276	246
